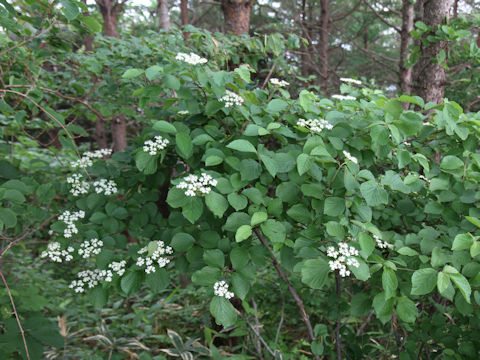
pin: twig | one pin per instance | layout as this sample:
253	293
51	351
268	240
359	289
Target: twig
258	346
261	339
364	324
382	19
268	76
291	289
14	241
27	40
16	315
280	323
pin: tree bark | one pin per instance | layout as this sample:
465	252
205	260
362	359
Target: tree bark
429	76
303	49
119	133
184	17
110	10
163	17
88	40
323	46
236	14
405	42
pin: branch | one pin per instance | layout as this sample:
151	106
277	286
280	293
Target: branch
27	40
346	13
338	343
291	289
16	315
382	19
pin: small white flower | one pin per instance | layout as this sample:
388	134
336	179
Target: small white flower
220	288
192	59
382	244
194	185
315	125
153	147
279	83
351	81
230	99
87	158
55	254
108	187
343	97
183	112
90	247
69	220
350	157
157	258
90	278
343	257
79	186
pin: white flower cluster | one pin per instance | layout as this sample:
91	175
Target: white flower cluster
79	186
195	185
350	157
221	289
343	258
87	158
118	267
108	187
192	59
343	97
91	279
279	83
149	261
55	254
382	244
315	125
153	147
230	99
69	219
183	112
89	247
351	81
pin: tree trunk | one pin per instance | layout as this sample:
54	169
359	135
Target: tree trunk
119	133
100	133
110	10
323	46
405	42
429	76
305	67
88	40
236	14
162	13
184	17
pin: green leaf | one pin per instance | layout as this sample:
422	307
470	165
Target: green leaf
276	106
315	272
334	206
475	249
389	282
451	162
216	203
383	307
206	276
192	209
176	197
443	281
423	281
223	311
184	145
153	72
214	258
274	230
131	282
146	163
367	244
462	241
258	218
8	218
158	281
162	125
91	23
373	193
270	164
240	285
242	145
70	9
406	309
243	233
393	107
171	82
237	201
304	163
300	213
182	242
132	73
462	284
13	195
239	258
